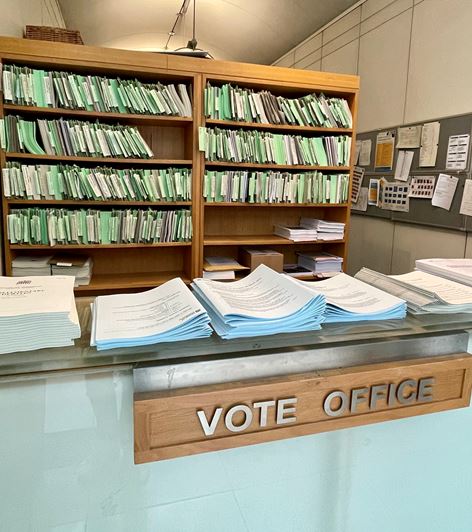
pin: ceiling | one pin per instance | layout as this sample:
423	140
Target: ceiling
255	31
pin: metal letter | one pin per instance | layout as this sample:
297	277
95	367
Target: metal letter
358	395
411	398
209	429
247	418
392	388
425	392
377	391
264	406
342	407
282	410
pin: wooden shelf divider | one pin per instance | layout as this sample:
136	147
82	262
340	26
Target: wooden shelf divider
111	161
213	122
272	166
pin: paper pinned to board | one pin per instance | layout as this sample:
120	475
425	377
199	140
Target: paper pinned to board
403	166
357	177
361	204
394	196
384	150
466	203
429	144
373	197
365	152
409	136
357	151
422	187
444	191
457	152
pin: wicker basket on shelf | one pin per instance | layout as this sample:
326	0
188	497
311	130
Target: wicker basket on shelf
49	33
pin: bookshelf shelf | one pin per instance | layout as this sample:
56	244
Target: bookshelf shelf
293	205
111	203
32	247
256	240
175	143
294	167
277	127
117	281
97	160
124	118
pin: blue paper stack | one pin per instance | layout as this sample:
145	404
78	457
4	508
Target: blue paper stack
265	302
349	299
169	313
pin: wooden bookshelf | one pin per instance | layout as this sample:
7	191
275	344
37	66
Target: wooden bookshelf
221	229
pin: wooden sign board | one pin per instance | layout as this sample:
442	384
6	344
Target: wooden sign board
214	417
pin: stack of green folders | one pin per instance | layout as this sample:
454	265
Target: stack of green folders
63	226
275	187
239	103
72	138
72	182
262	147
35	87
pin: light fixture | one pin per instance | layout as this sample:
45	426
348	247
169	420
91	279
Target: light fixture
191	48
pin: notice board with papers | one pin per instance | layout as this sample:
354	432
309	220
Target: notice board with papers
421	211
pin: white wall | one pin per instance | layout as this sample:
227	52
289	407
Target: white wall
16	14
414	61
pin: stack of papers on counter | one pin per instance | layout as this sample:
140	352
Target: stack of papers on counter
25	265
422	291
297	233
326	230
79	267
348	299
459	270
168	313
37	312
320	262
263	303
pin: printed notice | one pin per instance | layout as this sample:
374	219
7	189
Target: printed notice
422	187
429	144
357	151
409	137
373	192
444	191
357	176
394	197
384	150
402	169
361	204
466	203
365	151
457	152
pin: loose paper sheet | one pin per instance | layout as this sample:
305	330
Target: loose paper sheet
364	154
384	150
466	203
422	187
357	176
402	169
394	197
444	191
429	144
373	192
409	137
457	152
357	151
361	204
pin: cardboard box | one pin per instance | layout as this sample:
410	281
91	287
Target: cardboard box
254	257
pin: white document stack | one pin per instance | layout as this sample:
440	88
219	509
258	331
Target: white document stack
265	302
297	233
24	266
168	313
37	312
320	262
422	291
81	269
459	270
348	299
326	230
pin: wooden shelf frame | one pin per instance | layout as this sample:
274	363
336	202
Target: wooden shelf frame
127	262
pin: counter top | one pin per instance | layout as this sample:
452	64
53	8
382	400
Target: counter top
81	355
